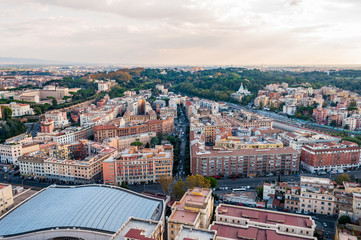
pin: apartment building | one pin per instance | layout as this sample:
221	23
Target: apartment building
85	167
292	199
330	156
356	205
139	166
108	131
59	118
298	139
121	143
246	162
236	222
193	210
47	126
6	198
9	153
317	195
20	109
32	166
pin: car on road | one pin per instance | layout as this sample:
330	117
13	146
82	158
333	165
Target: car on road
325	224
326	235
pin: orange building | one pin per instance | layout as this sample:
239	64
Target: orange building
47	126
108	131
138	166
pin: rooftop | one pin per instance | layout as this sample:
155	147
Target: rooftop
264	216
251	233
97	207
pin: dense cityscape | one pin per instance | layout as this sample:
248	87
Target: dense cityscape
180	120
285	163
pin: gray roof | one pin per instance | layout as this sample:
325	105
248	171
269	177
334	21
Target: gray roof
96	207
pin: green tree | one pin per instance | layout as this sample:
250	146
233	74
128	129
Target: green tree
7	113
136	143
154	141
261	105
344	219
212	181
124	185
37	110
344	177
259	191
54	102
333	123
147	145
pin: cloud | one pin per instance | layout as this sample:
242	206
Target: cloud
182	32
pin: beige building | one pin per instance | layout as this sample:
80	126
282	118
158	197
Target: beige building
236	222
30	148
6	198
9	153
85	167
121	143
356	205
317	195
193	210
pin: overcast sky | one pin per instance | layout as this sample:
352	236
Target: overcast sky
183	31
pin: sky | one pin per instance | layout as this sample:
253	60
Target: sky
183	32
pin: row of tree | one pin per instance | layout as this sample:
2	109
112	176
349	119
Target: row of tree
176	189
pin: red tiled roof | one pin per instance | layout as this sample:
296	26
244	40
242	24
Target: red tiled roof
263	216
137	234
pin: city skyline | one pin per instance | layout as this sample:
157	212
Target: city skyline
182	32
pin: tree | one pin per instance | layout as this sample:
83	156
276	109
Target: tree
154	141
347	127
344	177
166	183
261	105
7	113
197	181
37	110
54	102
213	181
124	185
344	219
136	143
147	145
178	190
259	191
333	123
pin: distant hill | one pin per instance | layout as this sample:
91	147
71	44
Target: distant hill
120	75
30	61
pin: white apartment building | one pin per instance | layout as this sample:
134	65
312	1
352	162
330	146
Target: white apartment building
317	195
20	109
103	86
356	205
60	119
32	166
350	122
9	153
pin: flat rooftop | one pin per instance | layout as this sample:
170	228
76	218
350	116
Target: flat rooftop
252	233
187	233
147	228
97	207
264	216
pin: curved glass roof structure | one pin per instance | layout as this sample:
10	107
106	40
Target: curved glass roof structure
95	207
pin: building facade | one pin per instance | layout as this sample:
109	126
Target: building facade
108	131
6	198
139	166
330	156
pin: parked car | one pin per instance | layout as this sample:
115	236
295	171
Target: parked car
324	224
